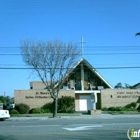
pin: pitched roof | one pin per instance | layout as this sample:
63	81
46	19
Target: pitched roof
92	69
136	85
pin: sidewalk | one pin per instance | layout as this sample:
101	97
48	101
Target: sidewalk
102	116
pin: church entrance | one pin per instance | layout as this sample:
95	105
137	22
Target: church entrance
85	103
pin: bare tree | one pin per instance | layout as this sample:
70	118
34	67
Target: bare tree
51	61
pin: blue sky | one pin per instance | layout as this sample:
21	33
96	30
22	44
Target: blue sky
108	28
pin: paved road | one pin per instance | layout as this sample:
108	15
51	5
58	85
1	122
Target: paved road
106	127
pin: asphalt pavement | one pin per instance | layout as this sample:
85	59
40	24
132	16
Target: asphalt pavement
83	127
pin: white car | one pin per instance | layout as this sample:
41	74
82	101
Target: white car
4	114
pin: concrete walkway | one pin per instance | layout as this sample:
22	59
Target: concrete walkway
102	116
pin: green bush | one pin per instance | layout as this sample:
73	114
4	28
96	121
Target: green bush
111	109
128	106
118	108
66	104
46	111
125	109
39	111
104	109
48	108
14	111
36	111
131	105
22	108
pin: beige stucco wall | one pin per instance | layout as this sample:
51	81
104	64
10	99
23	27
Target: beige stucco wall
37	98
37	85
107	98
119	97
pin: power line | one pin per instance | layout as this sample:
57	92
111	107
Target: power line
86	54
93	46
109	64
10	68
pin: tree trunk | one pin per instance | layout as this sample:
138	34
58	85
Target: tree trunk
55	108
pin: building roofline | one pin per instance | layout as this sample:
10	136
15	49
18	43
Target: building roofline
92	69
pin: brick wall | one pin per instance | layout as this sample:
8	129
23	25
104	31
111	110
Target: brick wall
37	85
119	97
37	98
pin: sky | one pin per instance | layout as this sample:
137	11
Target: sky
107	26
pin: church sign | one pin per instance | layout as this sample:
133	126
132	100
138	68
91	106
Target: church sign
119	97
128	94
39	95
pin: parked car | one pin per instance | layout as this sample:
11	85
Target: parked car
4	114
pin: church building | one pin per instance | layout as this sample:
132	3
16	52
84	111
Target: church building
90	90
83	83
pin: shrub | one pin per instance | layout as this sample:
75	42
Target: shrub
46	111
66	104
111	109
125	109
131	105
48	108
39	110
128	106
104	109
14	111
22	108
36	111
118	108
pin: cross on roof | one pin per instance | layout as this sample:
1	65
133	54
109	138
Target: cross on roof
82	46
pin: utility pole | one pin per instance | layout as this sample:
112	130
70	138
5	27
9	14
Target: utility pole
4	94
82	46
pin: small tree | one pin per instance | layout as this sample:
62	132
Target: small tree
51	61
6	100
119	85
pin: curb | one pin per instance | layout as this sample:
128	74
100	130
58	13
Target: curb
102	116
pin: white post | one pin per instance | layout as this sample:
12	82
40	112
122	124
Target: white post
94	100
82	76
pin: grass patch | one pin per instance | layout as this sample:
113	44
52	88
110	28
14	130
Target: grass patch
44	115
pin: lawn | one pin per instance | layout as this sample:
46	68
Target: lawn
44	114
